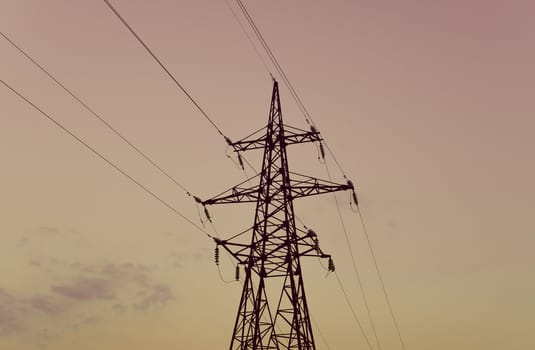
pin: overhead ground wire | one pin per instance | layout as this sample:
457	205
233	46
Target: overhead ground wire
248	37
286	80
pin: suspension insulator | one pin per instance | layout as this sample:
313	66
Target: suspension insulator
241	161
354	193
355	199
237	272
229	141
207	214
331	265
313	129
216	255
197	199
322	151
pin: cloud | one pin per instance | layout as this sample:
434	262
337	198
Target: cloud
82	287
115	281
49	230
45	304
158	295
22	242
86	288
10	313
35	262
119	308
32	240
125	272
85	320
177	259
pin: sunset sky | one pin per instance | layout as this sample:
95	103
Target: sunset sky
427	105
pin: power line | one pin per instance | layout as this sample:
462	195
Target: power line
320	333
247	36
89	147
286	80
180	86
357	274
271	55
96	115
310	121
352	310
381	279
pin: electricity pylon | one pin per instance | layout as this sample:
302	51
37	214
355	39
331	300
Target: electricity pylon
273	311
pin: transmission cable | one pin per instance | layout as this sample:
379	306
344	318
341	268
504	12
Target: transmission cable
286	80
320	332
381	278
352	310
248	37
271	56
101	156
96	115
310	121
180	86
353	260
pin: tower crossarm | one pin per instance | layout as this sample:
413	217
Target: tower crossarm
306	240
240	252
300	186
292	135
304	186
241	193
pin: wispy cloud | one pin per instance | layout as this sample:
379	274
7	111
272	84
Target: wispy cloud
80	288
11	312
158	295
86	288
46	304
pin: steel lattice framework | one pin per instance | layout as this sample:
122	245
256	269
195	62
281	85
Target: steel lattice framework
273	311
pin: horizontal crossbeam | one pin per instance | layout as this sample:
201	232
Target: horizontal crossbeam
291	136
300	186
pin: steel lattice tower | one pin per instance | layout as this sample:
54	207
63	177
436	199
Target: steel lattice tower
273	311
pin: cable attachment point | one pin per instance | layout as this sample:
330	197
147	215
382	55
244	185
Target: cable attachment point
198	202
237	275
331	265
206	213
229	141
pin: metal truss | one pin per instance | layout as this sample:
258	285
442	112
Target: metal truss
273	311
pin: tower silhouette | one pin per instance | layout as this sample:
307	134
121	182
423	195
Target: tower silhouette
273	311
